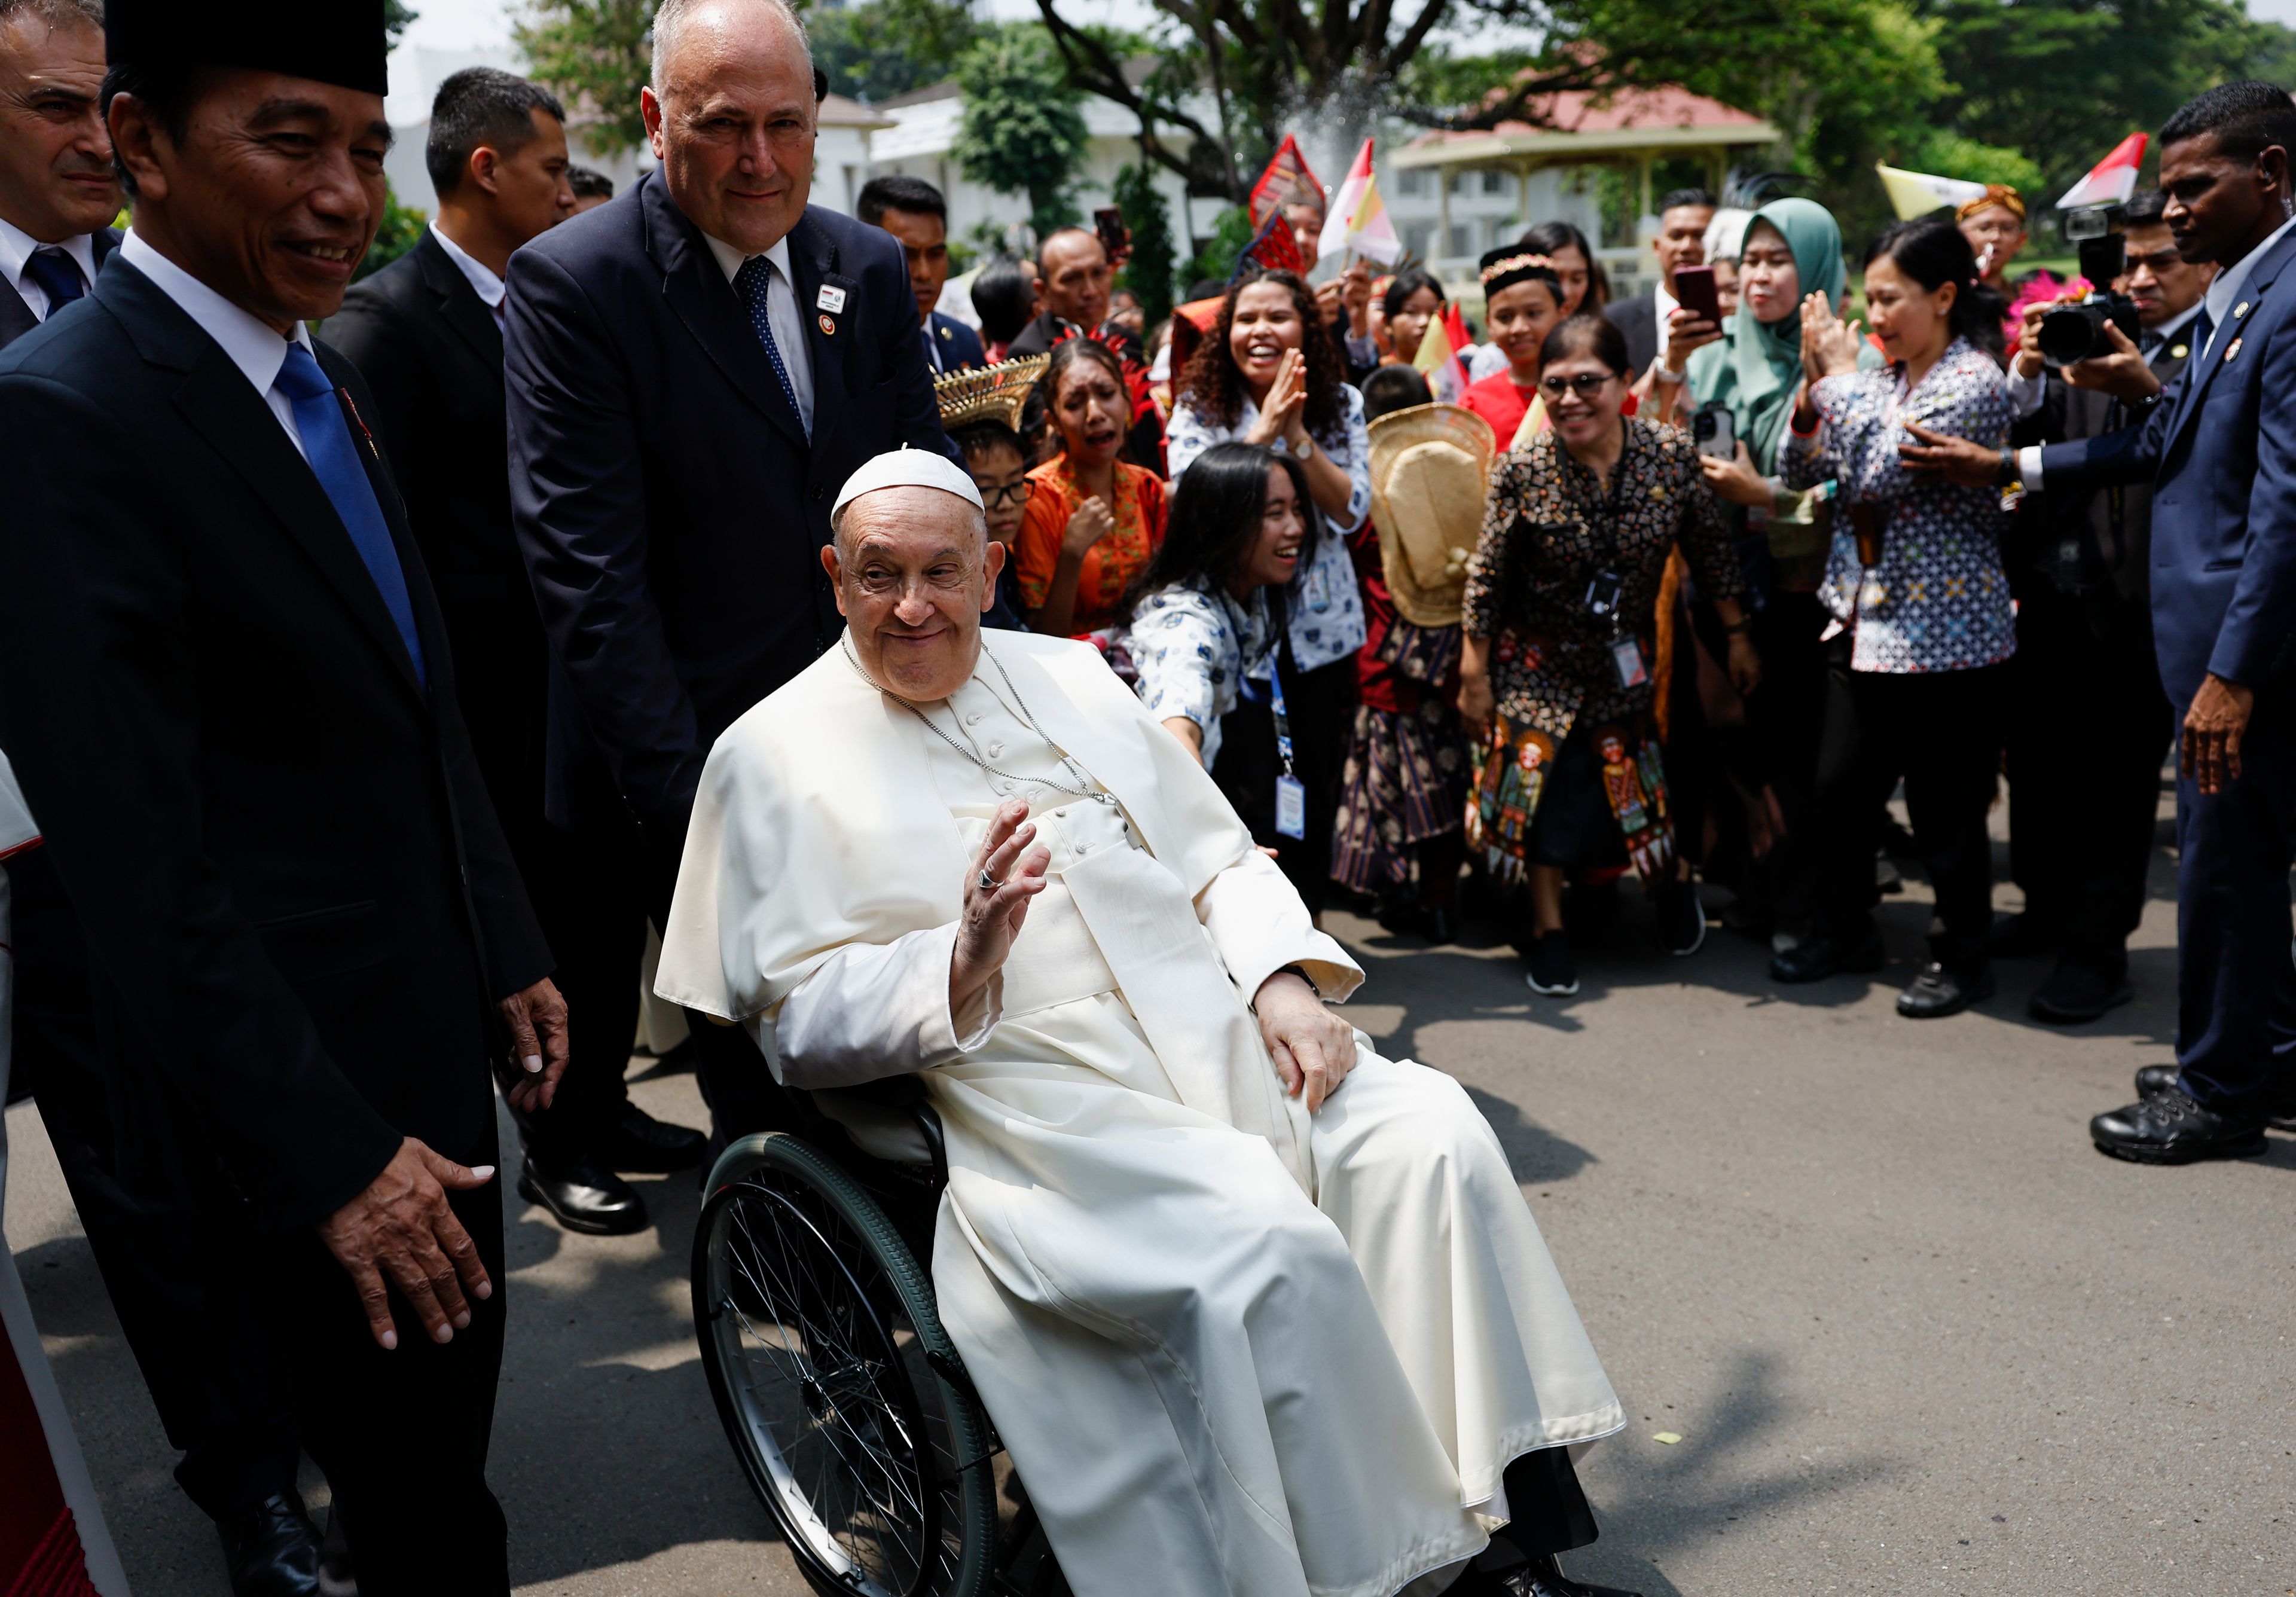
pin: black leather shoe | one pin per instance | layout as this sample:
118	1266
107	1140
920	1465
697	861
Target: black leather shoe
1938	991
2022	935
1826	953
2152	1080
1549	970
2080	989
583	1195
272	1550
2169	1128
651	1147
1537	1576
1681	918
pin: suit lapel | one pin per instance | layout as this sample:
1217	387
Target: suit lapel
2200	372
16	317
701	297
459	305
221	406
813	264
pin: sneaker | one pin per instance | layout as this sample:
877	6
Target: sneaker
1681	917
1551	972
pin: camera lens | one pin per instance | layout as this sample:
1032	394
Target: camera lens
2070	332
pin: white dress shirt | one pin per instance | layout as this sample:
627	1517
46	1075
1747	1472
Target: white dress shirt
782	313
254	347
490	287
2229	290
17	249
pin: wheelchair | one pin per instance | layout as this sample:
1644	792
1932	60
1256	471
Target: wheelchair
843	1397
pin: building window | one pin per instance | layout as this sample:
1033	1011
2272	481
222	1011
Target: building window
1411	180
1462	185
1495	182
1458	244
1416	236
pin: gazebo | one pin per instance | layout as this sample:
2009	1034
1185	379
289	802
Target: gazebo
1633	128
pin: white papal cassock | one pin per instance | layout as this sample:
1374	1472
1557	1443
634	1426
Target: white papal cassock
1232	1347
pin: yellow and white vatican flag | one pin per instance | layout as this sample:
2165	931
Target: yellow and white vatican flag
1359	219
1918	194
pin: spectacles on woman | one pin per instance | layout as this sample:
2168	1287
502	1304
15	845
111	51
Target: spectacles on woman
1584	384
1012	493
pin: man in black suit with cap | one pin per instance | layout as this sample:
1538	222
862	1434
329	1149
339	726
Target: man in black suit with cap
426	333
228	691
694	370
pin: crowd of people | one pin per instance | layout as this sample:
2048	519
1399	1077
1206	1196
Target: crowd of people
381	660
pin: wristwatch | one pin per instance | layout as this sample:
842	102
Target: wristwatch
1667	375
2008	474
1305	451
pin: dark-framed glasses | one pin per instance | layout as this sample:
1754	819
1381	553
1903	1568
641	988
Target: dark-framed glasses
1012	493
1584	384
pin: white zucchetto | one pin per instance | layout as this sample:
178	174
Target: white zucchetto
906	467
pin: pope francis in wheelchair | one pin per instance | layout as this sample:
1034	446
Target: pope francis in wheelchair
1254	1310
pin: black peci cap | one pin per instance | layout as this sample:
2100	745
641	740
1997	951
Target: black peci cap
340	42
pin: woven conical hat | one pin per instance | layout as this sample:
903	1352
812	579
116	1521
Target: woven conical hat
1430	469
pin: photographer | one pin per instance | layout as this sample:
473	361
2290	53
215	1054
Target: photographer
2219	446
2088	721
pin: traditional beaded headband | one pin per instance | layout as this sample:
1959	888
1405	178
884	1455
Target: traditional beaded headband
1514	263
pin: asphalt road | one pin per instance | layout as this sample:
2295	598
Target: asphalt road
1914	1334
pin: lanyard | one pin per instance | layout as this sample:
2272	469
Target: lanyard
1282	722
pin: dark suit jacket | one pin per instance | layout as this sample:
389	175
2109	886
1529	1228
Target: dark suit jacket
671	510
2220	450
16	318
959	346
295	898
2109	528
1637	318
432	354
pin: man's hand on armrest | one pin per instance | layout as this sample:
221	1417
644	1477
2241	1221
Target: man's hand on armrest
400	1227
997	894
1313	1049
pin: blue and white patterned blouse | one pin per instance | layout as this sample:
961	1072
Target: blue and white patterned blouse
1324	608
1193	646
1940	599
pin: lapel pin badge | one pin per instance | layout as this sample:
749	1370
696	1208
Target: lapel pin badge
2232	349
828	326
831	300
2178	351
2239	310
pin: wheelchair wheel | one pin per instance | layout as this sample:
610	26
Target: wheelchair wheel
838	1387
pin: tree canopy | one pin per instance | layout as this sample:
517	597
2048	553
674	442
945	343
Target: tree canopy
1021	132
594	55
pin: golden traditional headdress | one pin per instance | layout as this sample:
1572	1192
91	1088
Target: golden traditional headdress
991	394
1996	193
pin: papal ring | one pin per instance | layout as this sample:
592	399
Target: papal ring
988	884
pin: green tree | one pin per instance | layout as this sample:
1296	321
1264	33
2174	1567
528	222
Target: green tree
594	54
887	47
1021	132
1148	271
1216	261
401	230
395	17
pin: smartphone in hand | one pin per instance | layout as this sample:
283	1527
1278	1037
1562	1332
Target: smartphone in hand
1694	291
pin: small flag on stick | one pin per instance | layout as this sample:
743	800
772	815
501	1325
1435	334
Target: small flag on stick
1272	249
1441	358
1286	181
1918	194
2111	180
1358	218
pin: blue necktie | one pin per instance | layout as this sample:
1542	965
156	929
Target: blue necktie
2204	329
58	276
327	445
755	281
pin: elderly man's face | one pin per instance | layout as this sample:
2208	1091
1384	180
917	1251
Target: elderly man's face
55	154
733	123
914	569
272	197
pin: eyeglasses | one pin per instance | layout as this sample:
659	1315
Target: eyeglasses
1586	384
1012	493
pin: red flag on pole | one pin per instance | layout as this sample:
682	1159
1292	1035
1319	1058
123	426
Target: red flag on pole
1286	181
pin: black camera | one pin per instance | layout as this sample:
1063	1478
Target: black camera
2074	332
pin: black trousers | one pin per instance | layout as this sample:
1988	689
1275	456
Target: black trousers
595	925
186	1299
1319	706
1550	1511
1941	734
2089	728
2236	984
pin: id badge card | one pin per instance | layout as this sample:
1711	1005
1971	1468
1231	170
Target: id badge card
1290	807
1627	655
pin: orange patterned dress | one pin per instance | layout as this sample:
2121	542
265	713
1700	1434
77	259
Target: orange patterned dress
1141	509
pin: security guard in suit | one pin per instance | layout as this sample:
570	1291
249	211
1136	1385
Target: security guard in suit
912	211
2091	725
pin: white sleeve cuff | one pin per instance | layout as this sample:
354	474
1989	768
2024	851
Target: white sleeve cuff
2026	394
874	1010
2028	467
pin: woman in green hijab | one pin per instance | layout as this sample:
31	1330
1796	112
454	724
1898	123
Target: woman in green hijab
1792	249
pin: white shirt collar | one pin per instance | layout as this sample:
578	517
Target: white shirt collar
252	343
1665	302
730	260
490	288
2231	284
2168	329
17	246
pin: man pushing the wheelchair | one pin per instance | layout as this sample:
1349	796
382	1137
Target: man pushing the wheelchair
1255	1310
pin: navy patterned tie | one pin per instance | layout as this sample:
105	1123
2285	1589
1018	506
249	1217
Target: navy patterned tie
58	276
755	283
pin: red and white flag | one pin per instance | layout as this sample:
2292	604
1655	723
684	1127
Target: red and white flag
1359	219
2111	180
